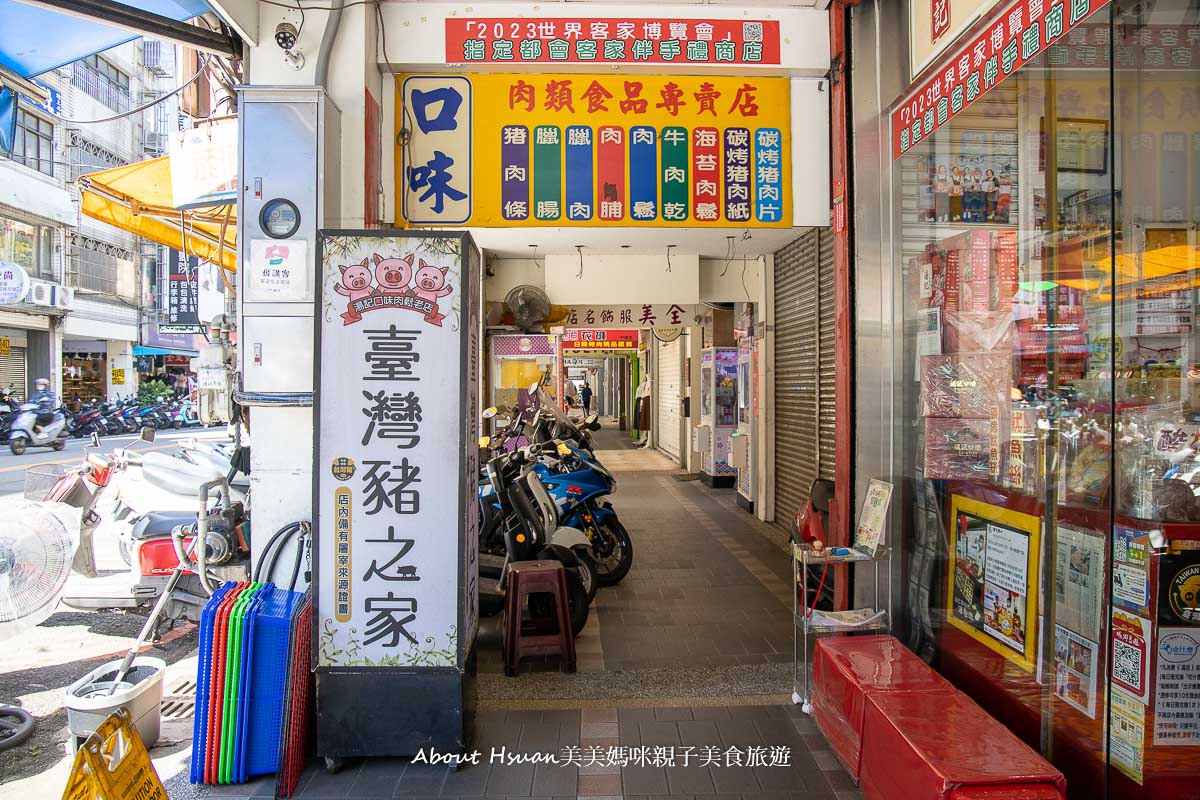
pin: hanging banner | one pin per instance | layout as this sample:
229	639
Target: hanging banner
605	339
642	315
204	165
584	40
396	372
1016	35
511	150
182	295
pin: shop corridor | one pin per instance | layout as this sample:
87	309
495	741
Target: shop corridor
704	611
684	669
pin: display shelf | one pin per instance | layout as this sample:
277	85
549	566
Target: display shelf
805	631
875	625
825	555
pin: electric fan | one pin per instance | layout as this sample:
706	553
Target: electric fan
37	543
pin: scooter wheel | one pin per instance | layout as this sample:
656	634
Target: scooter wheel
178	424
59	445
17	446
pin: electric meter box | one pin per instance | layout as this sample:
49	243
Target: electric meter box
289	185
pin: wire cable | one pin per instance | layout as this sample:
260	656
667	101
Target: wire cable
144	106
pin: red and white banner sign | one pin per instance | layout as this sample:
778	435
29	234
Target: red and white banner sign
584	40
1015	35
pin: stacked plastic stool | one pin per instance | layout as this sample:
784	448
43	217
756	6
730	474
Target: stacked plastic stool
520	640
241	682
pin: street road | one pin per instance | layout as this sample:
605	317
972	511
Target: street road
12	468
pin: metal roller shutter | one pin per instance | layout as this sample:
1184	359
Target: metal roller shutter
12	370
827	363
797	356
667	383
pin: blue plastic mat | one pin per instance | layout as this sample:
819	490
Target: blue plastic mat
254	697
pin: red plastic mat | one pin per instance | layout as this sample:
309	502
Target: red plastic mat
297	727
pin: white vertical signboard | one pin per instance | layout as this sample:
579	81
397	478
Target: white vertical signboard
394	408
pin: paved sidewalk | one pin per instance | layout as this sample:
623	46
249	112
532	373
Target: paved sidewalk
703	733
690	654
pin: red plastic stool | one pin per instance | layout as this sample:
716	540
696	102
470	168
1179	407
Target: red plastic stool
525	578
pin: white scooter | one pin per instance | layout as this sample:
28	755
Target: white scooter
25	432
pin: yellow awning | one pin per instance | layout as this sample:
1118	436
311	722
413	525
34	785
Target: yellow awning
137	198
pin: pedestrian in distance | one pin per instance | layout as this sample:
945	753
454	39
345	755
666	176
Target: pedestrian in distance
585	395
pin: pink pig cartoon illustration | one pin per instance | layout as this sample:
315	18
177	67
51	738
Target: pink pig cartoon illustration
355	285
393	275
429	285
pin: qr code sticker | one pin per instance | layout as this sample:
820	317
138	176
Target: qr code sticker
1127	664
1121	549
752	32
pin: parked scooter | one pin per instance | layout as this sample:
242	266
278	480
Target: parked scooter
155	539
24	431
186	416
527	523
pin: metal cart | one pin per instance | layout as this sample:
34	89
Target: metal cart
805	628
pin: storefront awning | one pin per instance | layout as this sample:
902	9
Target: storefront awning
137	198
37	38
144	350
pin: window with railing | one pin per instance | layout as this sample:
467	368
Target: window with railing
103	82
96	265
84	156
33	144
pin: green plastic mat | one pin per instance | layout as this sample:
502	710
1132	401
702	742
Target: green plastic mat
234	647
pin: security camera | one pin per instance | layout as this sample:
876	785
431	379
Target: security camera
285	35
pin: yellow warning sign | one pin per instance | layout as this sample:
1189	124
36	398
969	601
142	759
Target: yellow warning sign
113	765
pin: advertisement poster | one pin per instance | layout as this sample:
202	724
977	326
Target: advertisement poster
1131	641
578	40
1078	579
980	64
1179	589
279	270
1176	712
1131	588
874	513
1127	734
1075	670
993	563
390	499
182	301
515	150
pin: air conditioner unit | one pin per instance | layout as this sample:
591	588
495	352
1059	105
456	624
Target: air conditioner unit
64	297
40	294
50	295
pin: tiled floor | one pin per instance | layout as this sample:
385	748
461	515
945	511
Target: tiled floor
700	752
708	594
709	585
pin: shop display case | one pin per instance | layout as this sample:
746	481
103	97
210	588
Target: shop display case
718	413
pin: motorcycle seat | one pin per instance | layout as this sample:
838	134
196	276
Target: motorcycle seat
158	523
175	475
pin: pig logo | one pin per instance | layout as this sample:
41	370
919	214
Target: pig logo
429	285
355	285
393	275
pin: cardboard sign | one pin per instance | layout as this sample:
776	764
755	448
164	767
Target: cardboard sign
397	406
583	40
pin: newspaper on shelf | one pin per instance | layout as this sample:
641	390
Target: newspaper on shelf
853	618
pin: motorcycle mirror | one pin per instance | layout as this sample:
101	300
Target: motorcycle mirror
147	434
488	413
533	387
